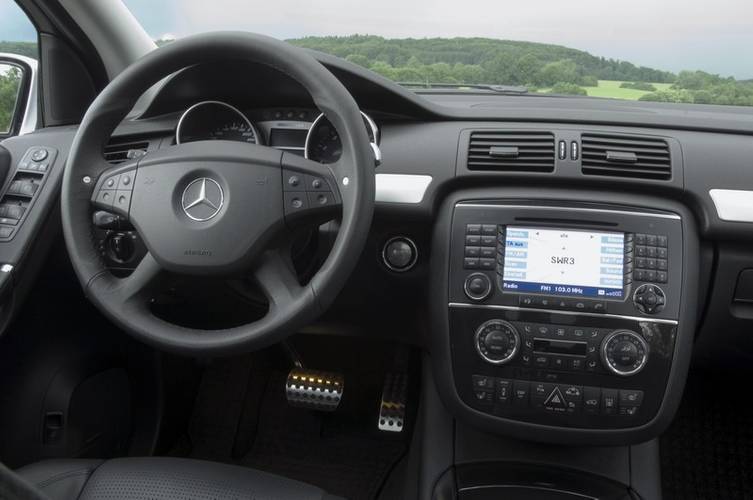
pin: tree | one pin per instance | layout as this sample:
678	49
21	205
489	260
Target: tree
359	59
567	88
564	71
10	84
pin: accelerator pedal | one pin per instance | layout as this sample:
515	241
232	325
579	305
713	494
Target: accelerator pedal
314	390
392	407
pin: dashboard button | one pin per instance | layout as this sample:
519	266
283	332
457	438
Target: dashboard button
598	306
488	241
489	229
526	301
483	382
473	229
558	363
484	397
541	361
576	364
504	391
470	263
630	397
609	401
521	392
473	240
487	264
488	252
591	400
472	251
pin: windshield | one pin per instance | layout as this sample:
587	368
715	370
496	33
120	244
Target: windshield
674	50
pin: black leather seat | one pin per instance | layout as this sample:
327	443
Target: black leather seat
161	479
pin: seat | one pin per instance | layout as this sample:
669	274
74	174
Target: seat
161	479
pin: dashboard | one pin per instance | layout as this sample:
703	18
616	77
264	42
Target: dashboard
560	259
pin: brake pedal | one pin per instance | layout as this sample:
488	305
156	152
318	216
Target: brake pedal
313	389
392	407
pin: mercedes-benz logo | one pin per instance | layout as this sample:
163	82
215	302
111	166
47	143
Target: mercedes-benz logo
202	199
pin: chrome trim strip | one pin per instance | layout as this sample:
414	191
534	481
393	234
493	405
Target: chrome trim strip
733	205
573	209
401	188
526	487
229	106
568	313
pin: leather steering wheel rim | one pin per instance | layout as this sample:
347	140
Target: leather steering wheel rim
171	169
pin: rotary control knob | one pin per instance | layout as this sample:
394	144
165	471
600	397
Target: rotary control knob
649	299
497	341
477	286
624	352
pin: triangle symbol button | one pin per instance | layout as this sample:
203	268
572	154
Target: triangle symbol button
556	399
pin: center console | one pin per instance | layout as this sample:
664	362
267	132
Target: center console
565	320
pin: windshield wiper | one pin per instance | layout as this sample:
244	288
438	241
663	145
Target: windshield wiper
499	89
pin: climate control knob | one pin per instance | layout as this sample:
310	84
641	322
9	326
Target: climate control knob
497	341
624	352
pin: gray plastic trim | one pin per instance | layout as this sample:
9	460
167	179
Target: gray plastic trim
733	205
401	188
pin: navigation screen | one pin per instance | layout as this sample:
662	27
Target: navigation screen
564	262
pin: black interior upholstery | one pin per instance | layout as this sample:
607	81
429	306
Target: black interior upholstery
160	479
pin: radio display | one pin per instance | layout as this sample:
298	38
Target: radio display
564	262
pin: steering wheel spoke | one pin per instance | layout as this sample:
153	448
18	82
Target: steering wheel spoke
275	275
114	189
144	281
310	190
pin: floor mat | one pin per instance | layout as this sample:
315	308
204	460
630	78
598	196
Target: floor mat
707	453
340	452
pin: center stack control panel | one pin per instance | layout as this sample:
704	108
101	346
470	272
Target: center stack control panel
564	315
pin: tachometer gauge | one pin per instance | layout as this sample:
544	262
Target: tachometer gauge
323	142
215	120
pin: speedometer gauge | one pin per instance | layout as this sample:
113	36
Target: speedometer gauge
215	120
323	142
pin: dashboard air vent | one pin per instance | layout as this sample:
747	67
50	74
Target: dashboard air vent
511	151
118	153
625	156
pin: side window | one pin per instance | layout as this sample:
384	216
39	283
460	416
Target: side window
18	55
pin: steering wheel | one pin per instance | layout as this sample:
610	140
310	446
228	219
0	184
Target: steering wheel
217	208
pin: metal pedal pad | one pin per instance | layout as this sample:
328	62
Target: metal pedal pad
392	407
313	389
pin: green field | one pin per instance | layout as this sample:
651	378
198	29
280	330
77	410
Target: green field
612	90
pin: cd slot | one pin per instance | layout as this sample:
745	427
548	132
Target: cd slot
560	347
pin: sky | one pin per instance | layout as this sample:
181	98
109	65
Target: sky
714	36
